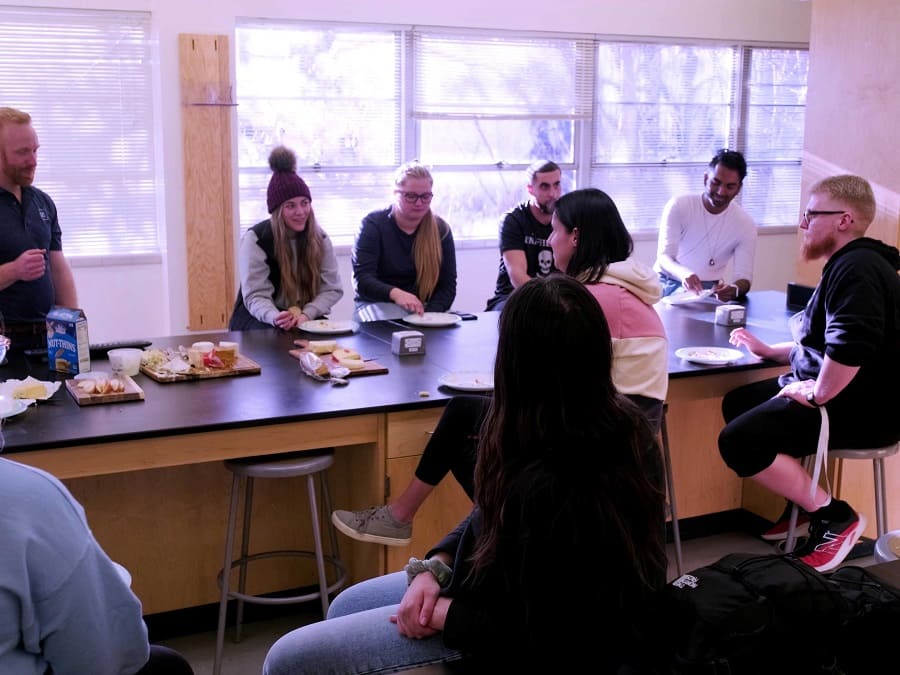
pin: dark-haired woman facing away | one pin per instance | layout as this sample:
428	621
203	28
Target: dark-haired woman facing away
560	561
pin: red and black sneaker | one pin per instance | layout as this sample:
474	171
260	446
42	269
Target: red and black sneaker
779	530
830	541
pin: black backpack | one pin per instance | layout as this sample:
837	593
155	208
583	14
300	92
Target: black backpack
874	622
756	614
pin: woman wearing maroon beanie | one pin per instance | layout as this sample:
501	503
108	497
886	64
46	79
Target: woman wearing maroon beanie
289	273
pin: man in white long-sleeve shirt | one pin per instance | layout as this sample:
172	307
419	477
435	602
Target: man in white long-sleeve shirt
699	235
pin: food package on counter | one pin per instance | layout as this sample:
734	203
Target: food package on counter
312	365
68	346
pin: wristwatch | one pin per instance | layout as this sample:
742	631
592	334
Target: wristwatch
811	399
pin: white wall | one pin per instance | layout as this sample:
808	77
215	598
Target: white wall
151	299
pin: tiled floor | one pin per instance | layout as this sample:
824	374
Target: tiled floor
246	657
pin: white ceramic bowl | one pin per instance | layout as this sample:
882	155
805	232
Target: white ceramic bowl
125	361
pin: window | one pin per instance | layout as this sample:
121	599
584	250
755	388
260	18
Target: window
639	120
85	79
484	108
332	96
662	111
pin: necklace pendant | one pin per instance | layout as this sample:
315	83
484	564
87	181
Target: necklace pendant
712	262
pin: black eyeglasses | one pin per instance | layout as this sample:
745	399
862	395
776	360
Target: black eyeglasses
809	215
413	197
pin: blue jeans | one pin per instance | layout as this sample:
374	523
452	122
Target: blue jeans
671	284
357	636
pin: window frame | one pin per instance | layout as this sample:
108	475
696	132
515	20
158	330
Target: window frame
582	167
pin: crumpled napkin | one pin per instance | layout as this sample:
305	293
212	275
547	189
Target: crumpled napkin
9	386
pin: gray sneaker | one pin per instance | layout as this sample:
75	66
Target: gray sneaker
375	525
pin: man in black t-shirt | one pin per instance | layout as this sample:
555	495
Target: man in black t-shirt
524	251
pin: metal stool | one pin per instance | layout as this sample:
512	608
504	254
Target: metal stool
877	456
307	464
670	490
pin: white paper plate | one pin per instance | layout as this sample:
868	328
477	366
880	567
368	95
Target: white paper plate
709	355
432	319
684	296
468	381
12	407
329	326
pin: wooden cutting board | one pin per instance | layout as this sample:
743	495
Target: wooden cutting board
242	366
132	392
370	367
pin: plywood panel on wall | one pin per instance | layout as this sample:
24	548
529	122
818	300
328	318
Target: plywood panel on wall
852	103
207	110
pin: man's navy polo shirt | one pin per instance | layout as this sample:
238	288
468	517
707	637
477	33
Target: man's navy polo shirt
31	224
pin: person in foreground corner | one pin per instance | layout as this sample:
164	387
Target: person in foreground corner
566	521
404	259
65	607
289	273
845	356
590	243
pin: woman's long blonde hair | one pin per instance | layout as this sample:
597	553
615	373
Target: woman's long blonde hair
300	281
427	252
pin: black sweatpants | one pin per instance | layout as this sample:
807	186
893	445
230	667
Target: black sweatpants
760	425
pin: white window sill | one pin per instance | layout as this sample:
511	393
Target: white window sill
116	260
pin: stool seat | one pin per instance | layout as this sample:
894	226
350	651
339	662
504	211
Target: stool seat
865	453
287	465
273	466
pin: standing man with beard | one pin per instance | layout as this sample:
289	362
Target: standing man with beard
524	251
34	273
700	234
844	357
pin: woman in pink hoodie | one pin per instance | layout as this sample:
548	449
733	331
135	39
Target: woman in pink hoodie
591	244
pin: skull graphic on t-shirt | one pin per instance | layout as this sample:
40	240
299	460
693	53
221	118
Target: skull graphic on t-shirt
545	262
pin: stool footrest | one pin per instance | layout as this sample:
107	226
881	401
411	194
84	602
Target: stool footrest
338	566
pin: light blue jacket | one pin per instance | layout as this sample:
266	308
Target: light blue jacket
63	603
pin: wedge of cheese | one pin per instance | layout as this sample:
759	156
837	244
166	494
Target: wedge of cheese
322	346
352	364
30	390
341	353
228	355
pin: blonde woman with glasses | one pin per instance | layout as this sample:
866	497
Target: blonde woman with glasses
404	259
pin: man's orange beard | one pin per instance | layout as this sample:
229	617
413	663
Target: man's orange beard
16	176
819	249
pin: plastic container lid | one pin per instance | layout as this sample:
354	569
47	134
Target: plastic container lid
887	547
